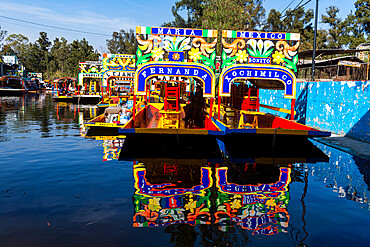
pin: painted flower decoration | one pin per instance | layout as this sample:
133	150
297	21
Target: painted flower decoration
242	56
154	204
194	54
93	70
176	56
278	57
192	205
235	204
176	43
157	53
271	203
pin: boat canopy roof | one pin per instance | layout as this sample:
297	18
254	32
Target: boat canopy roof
118	67
89	69
266	59
6	77
176	52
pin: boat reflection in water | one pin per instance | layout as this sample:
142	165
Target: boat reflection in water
171	192
250	196
112	147
254	197
222	194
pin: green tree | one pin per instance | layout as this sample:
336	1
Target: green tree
194	10
35	59
122	42
59	53
274	22
336	28
353	33
2	36
80	51
255	13
38	56
233	14
362	14
19	44
300	21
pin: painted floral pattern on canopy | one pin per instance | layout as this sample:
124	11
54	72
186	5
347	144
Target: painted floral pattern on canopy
241	47
122	62
176	44
90	67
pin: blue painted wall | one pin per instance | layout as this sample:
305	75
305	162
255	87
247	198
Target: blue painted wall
342	107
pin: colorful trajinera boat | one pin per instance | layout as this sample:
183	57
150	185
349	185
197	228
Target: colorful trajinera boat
178	67
115	107
117	80
86	90
170	70
252	64
89	90
12	86
64	89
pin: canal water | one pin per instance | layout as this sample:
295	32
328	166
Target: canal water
60	189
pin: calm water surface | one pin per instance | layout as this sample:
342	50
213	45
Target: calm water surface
59	189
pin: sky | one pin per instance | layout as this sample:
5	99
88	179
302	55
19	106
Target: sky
101	18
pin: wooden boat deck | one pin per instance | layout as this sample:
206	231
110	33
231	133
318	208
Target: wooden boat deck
255	122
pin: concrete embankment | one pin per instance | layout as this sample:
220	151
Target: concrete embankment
341	107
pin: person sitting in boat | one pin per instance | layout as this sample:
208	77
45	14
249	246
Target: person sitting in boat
189	108
198	111
125	114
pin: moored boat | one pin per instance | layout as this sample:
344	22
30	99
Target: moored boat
162	89
64	88
179	70
12	86
262	62
117	80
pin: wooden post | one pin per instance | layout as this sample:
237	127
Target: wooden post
134	109
210	109
146	93
368	61
292	109
219	107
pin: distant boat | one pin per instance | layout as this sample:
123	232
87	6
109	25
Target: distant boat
66	89
12	86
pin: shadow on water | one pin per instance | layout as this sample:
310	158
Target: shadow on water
364	168
301	106
170	146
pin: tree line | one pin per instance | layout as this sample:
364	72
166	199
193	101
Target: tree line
54	59
60	58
